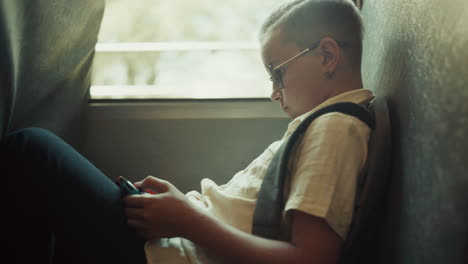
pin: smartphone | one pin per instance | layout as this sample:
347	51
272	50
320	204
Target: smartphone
126	187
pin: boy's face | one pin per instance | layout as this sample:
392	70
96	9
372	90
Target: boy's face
303	79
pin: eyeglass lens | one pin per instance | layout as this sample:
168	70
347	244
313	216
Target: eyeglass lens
275	76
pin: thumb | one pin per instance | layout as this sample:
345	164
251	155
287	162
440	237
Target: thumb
155	184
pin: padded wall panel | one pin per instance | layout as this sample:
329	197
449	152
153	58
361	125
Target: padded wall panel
47	48
415	52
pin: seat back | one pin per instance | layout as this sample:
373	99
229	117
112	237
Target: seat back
46	51
415	54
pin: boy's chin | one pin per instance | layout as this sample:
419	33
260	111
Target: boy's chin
291	114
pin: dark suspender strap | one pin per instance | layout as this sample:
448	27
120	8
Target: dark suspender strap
270	205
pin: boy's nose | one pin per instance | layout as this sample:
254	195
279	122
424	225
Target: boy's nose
275	94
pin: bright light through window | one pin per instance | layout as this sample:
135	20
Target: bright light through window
181	49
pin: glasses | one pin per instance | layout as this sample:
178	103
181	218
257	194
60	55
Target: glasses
276	75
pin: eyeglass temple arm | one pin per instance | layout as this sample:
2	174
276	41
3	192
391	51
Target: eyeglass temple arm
315	45
286	62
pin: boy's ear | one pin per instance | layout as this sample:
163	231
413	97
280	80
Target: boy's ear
331	55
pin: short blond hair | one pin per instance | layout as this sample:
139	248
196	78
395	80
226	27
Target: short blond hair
303	22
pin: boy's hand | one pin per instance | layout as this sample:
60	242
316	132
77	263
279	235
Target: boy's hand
168	213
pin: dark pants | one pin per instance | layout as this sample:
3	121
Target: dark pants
56	203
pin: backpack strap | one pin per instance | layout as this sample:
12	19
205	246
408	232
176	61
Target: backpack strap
270	204
362	239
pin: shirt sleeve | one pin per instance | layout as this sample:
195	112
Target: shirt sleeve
324	169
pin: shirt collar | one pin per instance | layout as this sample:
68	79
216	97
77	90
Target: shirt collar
357	96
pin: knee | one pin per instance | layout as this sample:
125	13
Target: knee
30	132
25	137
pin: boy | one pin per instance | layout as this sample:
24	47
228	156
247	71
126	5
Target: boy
312	51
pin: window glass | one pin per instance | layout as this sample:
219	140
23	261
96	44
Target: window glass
181	49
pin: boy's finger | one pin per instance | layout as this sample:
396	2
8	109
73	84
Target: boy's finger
134	201
156	184
136	224
135	213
